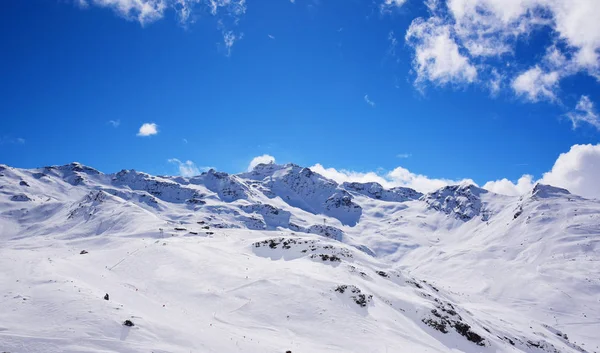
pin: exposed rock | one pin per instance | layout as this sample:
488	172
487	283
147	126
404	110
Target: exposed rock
376	191
461	201
20	198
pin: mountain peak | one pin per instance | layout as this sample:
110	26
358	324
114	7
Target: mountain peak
77	167
463	200
545	191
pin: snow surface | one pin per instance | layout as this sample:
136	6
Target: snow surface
283	259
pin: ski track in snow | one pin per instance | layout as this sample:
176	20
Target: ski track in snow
282	259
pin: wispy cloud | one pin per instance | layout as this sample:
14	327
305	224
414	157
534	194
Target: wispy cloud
185	141
585	112
271	36
187	168
12	140
368	100
229	39
393	44
114	123
228	12
404	155
389	5
148	129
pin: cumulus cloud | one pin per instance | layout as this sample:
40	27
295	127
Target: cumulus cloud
437	57
187	168
148	129
576	171
264	159
369	101
534	84
584	112
397	177
458	38
507	187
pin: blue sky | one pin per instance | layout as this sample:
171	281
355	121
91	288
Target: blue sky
358	86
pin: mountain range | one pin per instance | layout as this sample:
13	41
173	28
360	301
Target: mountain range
282	259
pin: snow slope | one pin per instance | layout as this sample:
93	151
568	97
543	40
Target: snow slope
282	259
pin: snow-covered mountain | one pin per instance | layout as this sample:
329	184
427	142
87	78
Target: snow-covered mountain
283	259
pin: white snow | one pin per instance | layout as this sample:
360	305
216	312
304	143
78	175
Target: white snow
283	259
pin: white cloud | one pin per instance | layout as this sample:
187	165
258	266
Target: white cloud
577	23
397	177
143	11
585	112
404	155
495	82
185	141
534	84
369	101
343	175
271	36
403	177
388	5
147	11
229	38
264	159
471	32
437	57
187	168
576	171
115	123
228	12
507	187
148	129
